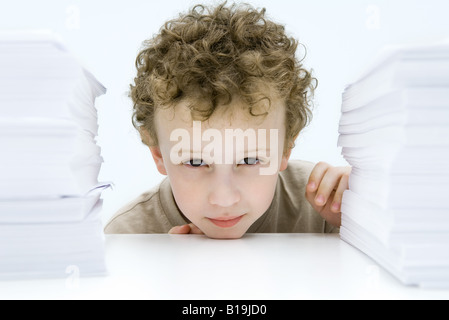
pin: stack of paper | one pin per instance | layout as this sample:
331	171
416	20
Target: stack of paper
394	132
49	191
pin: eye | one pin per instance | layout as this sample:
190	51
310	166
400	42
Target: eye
196	163
250	161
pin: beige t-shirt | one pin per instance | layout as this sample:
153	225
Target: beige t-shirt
156	211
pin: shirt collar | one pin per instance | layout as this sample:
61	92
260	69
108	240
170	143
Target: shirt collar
169	206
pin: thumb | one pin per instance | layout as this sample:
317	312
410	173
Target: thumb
185	229
194	229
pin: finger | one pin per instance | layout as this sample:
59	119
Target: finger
185	229
328	184
342	187
194	229
310	196
316	176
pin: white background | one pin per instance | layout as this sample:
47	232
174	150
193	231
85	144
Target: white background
341	38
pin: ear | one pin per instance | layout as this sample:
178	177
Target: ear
145	136
155	151
284	161
158	160
286	157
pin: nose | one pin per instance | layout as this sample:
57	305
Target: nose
223	189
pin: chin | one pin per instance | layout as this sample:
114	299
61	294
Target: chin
225	234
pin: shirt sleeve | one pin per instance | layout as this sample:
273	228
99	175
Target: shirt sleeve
142	216
329	228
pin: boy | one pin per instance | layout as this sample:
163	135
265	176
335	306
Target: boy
220	98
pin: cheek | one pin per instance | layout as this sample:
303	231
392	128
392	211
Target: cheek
259	192
188	195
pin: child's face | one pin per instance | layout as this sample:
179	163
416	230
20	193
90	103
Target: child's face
220	187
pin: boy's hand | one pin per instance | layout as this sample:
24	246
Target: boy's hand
325	190
185	229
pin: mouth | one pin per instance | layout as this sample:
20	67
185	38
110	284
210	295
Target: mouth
225	222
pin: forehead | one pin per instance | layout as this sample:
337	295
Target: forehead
267	114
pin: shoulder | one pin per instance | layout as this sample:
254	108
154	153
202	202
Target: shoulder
297	172
141	216
297	214
294	183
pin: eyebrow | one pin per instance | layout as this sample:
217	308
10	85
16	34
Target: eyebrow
249	151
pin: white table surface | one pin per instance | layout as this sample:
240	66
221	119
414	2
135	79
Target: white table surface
262	266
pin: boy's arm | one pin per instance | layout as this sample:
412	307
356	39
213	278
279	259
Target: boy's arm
186	229
325	190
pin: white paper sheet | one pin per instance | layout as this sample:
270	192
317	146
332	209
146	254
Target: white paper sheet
394	132
49	193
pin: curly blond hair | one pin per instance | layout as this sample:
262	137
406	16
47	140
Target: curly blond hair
214	53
